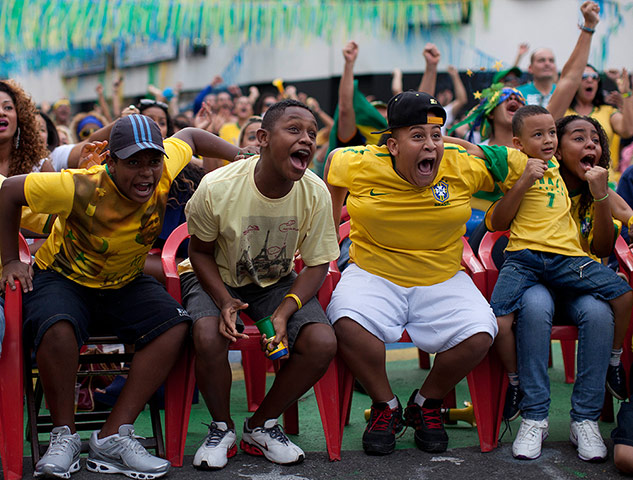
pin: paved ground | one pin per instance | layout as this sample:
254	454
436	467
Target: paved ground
557	462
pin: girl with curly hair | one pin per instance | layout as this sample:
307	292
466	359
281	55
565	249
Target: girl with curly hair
21	148
583	153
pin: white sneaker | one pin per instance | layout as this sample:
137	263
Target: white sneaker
62	457
588	441
123	453
218	446
271	442
527	444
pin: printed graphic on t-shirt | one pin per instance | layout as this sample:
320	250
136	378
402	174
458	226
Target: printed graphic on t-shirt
267	247
94	233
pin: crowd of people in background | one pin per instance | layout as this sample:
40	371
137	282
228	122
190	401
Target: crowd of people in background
570	130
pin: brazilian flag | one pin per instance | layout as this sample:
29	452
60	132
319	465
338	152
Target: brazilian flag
368	119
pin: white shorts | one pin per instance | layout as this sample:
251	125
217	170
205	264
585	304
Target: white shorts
437	317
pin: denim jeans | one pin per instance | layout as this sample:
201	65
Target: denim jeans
594	319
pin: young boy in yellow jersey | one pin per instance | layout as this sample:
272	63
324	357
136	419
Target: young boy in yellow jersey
246	222
88	275
544	249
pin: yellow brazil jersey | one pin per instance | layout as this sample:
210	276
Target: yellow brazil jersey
230	132
543	221
101	238
585	225
603	114
409	235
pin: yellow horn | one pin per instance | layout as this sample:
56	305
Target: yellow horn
279	83
466	414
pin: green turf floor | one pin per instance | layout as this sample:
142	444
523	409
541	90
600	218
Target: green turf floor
404	376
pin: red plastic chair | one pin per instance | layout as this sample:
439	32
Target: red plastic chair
253	361
12	384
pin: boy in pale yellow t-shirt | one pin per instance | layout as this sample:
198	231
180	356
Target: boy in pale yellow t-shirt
246	222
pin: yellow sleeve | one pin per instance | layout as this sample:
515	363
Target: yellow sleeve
488	217
50	192
340	168
179	154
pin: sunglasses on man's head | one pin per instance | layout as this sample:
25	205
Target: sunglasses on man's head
592	75
148	102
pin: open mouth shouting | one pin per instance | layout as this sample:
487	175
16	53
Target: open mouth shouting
4	124
144	189
512	106
588	161
300	159
425	166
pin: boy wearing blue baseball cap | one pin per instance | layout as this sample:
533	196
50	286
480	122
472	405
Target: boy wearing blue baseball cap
89	273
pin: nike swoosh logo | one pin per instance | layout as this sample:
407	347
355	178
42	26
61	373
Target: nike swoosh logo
264	446
374	194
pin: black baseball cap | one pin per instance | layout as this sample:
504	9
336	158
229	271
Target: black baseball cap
413	108
134	133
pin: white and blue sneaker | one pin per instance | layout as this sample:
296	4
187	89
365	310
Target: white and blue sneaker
62	456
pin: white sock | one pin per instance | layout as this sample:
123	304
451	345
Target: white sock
419	398
614	361
393	403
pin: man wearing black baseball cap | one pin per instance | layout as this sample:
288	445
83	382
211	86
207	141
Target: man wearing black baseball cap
409	201
89	273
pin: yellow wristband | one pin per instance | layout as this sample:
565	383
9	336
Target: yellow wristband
629	224
296	299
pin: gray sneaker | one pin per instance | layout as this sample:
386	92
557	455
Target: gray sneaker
123	453
62	457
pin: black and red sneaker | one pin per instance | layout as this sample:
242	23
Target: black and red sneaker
380	434
430	435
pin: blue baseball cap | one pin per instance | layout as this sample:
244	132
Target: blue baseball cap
134	133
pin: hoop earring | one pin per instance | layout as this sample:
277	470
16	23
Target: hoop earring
17	139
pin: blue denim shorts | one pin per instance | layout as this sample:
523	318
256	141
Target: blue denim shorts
571	275
137	313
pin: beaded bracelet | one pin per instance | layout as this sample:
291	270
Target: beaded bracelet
296	299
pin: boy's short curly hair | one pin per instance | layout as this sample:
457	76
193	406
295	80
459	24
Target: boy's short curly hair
276	111
31	149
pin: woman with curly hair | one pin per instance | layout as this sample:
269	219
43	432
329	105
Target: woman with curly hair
21	148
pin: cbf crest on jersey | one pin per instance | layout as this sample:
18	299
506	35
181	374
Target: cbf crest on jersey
440	191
